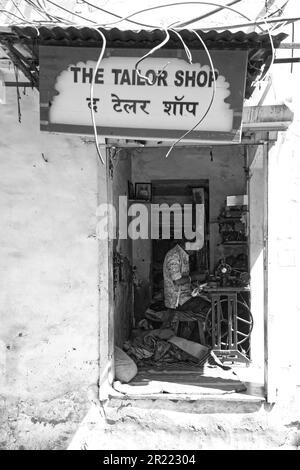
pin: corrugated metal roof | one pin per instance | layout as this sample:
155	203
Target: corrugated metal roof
258	45
145	38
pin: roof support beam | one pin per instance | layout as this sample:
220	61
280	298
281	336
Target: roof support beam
271	118
20	62
289	45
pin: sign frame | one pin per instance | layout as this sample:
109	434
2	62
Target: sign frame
55	59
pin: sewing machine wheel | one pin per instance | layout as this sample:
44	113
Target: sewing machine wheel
244	324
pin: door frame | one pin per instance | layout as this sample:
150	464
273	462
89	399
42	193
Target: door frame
105	284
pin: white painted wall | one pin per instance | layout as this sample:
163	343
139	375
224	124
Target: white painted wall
49	263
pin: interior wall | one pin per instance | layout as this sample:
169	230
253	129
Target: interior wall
49	343
123	308
224	168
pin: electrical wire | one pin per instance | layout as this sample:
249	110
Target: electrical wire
42	11
71	12
32	23
18	93
145	10
280	9
212	12
211	100
17	8
12	14
118	16
273	53
252	23
24	21
187	50
272	45
159	46
264	21
278	13
92	93
128	18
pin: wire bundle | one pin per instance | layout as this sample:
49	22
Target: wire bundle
47	17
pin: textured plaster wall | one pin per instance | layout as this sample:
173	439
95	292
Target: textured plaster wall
48	274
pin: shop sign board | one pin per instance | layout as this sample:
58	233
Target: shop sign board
172	99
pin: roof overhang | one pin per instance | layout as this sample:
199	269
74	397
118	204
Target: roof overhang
21	45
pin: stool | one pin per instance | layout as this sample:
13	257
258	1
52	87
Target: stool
185	316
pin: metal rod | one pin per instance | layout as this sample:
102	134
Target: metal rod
235	325
219	338
17	60
21	84
213	321
289	60
230	302
293	38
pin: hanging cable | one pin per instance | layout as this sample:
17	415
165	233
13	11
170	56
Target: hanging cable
279	10
6	12
145	10
17	8
159	46
42	11
92	93
71	12
127	18
27	22
252	23
211	100
265	21
213	12
187	51
118	16
271	43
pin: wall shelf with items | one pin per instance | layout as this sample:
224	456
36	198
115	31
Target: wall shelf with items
233	231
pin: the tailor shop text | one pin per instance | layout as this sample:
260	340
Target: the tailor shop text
181	78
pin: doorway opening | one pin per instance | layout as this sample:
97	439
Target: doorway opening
195	349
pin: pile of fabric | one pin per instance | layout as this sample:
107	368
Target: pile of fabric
154	342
